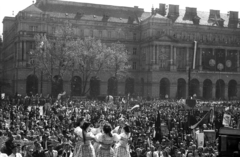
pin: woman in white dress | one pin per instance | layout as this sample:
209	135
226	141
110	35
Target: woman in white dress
106	140
86	149
122	147
96	131
78	133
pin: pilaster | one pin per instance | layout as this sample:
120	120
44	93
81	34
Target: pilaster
200	60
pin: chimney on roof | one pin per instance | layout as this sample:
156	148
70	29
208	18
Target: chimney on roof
78	16
105	18
162	9
173	12
233	19
130	20
153	11
191	15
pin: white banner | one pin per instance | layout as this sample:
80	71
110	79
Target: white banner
200	139
226	119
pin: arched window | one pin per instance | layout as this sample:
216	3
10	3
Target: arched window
164	88
32	85
76	86
112	86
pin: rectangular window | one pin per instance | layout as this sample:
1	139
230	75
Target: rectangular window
33	28
91	33
134	36
109	34
134	51
134	66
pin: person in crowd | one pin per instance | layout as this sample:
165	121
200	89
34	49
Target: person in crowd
106	140
50	152
122	147
15	151
86	149
1	153
38	150
152	153
79	139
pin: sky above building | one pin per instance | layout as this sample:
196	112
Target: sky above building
7	7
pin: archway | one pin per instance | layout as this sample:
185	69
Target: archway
232	89
76	86
94	87
220	89
142	87
32	85
207	89
129	86
181	88
194	87
113	86
57	85
164	88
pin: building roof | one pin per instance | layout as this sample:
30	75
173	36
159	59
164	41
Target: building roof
96	12
32	8
90	11
204	18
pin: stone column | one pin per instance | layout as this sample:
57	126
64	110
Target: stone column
200	89
175	56
200	60
173	90
25	50
226	91
171	61
187	56
213	91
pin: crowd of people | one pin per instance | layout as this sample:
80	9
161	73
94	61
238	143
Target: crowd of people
88	128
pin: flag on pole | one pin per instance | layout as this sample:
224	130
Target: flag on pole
194	54
158	132
204	120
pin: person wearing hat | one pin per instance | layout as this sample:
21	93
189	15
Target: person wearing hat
16	150
152	153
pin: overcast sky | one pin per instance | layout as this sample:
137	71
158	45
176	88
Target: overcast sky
8	6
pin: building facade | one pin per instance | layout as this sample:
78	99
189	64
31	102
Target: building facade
161	46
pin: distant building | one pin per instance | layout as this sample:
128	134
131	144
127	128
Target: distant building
160	45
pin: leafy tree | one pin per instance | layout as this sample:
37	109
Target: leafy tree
53	55
90	57
118	64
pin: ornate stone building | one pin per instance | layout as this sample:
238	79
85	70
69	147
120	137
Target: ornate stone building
160	45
